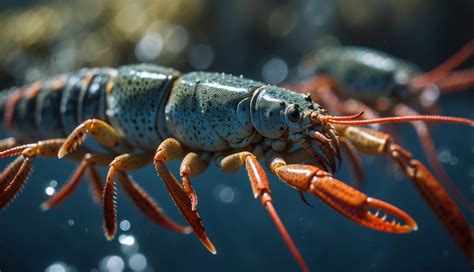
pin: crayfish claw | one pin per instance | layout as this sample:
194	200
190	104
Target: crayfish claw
348	201
356	206
388	209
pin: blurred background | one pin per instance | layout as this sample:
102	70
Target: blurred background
263	40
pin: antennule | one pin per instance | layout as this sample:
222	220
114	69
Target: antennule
346	118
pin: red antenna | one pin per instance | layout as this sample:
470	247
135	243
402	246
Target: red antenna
399	119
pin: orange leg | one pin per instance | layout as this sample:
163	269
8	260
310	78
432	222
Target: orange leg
107	136
147	205
87	163
431	154
451	63
261	188
16	174
377	143
456	81
118	168
170	149
96	185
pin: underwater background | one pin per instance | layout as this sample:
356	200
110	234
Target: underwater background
263	40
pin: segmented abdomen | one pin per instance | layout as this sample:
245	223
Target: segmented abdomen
52	108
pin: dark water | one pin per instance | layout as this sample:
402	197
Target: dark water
70	237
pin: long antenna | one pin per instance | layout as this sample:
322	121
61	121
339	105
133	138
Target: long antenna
402	119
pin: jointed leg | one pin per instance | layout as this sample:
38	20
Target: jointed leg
16	173
377	143
118	168
170	149
451	63
96	185
102	132
107	136
430	153
191	166
87	163
146	204
261	188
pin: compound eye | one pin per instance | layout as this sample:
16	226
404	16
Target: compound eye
293	114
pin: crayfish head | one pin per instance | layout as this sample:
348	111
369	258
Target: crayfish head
278	113
306	126
318	138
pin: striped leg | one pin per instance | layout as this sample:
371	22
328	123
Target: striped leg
16	173
87	163
118	168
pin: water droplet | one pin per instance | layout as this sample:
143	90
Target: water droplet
126	239
112	263
124	225
149	47
50	190
444	156
274	71
57	267
227	194
176	39
137	261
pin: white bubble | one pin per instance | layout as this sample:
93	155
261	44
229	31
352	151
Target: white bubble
176	39
124	225
149	47
444	155
127	240
112	263
57	267
201	56
50	190
274	71
70	222
430	95
137	262
227	194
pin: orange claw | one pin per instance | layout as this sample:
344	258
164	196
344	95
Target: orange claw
345	199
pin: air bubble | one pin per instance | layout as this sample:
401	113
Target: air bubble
274	71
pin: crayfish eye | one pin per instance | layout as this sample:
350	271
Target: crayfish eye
293	114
